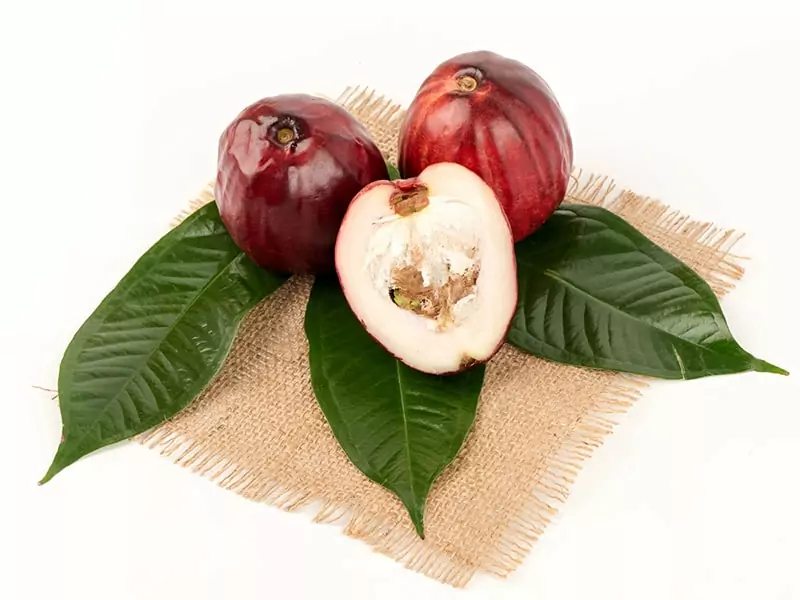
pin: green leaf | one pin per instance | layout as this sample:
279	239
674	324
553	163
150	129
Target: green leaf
399	426
158	338
393	172
595	292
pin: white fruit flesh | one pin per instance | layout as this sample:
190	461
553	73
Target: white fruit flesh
437	286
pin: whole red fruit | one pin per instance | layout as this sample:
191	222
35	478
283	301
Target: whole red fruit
498	118
288	166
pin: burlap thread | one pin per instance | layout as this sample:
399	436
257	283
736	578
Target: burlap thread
258	431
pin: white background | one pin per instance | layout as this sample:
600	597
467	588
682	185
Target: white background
110	114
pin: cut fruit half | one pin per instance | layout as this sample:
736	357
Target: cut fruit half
427	265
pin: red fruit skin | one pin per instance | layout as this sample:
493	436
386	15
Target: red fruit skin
283	203
509	130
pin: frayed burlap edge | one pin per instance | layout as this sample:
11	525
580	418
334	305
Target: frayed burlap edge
553	486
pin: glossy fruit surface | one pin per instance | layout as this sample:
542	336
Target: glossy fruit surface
498	118
427	265
288	166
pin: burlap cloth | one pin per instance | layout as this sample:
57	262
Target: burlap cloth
257	429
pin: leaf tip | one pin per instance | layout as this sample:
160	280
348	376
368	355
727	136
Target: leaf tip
763	366
51	472
394	173
417	513
58	465
420	529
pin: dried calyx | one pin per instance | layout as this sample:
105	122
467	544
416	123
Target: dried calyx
468	79
428	266
285	130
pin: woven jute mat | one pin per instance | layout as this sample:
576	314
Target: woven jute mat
257	429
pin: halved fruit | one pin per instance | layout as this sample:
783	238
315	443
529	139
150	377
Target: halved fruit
427	265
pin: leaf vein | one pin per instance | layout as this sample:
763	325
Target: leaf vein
556	277
407	445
